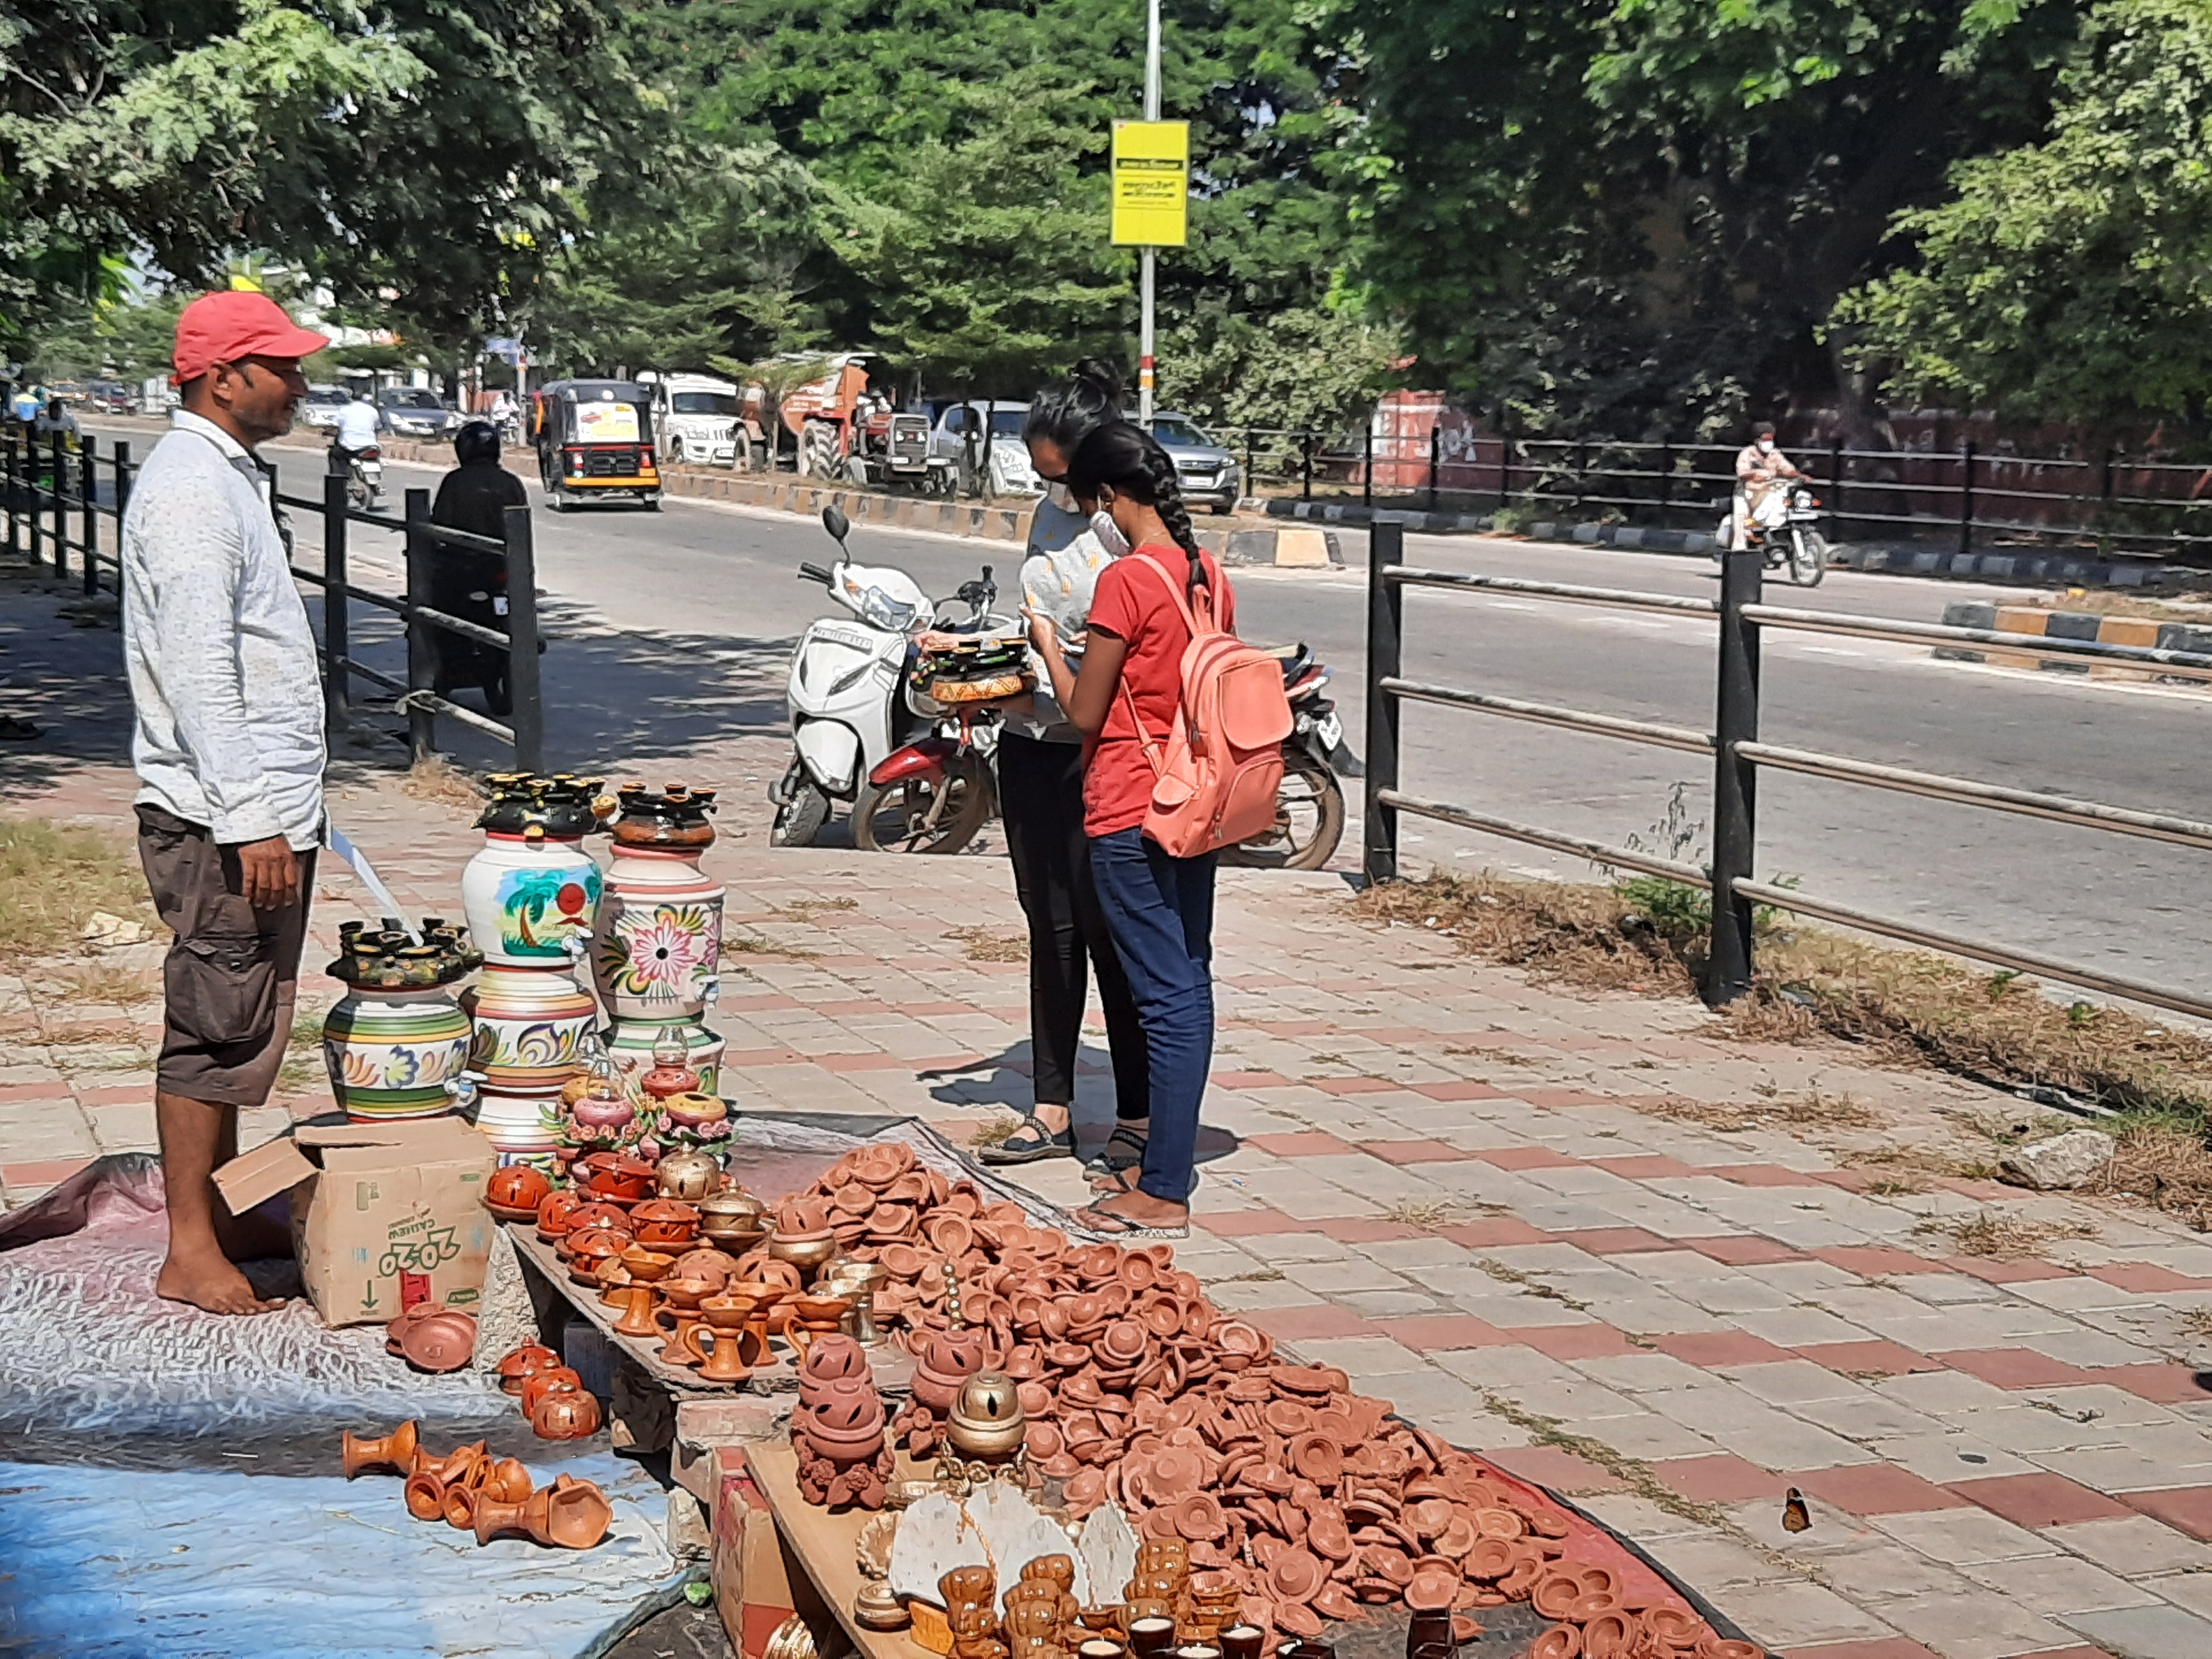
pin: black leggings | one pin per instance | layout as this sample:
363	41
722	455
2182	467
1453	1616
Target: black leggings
1040	799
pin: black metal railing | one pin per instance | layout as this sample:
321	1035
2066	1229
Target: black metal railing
46	484
1741	615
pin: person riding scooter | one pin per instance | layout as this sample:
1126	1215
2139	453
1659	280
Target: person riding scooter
469	582
1759	466
357	432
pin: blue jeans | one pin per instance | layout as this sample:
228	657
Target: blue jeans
1160	911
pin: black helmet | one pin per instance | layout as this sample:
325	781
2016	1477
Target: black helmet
476	442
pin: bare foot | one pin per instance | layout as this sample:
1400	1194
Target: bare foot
209	1282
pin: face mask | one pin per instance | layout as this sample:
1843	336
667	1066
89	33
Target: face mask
1109	533
1767	446
1060	496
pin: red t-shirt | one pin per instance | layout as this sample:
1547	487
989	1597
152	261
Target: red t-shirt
1133	604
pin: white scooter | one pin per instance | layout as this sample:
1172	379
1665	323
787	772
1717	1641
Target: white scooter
918	774
1785	525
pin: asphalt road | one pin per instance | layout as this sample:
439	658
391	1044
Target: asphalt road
714	585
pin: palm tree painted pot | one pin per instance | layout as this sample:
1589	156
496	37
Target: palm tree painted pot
531	1028
629	1044
657	953
395	1054
531	898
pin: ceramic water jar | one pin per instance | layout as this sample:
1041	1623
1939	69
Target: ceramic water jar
395	1054
658	950
524	1128
533	892
532	1029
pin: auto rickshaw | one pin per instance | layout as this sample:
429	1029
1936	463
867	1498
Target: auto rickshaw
594	438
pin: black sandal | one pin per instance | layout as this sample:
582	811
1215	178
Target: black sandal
1124	1150
1030	1143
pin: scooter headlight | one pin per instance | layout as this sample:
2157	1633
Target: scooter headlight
879	610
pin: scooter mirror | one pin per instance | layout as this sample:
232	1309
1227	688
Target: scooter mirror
834	521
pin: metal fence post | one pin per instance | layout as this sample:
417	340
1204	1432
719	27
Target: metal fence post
527	716
1504	469
1966	504
1306	446
1251	475
1735	820
1436	456
88	486
1367	469
11	468
1386	625
422	646
337	605
59	460
1666	475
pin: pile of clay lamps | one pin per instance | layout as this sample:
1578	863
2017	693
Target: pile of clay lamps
553	1398
475	1492
1312	1499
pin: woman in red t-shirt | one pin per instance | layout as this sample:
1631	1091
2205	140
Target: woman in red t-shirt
1159	909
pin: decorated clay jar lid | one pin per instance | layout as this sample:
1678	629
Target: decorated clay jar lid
563	806
987	1420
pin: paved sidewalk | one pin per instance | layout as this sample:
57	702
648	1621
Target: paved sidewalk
1669	1275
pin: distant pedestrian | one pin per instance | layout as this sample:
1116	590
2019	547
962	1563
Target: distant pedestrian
470	582
1160	908
56	418
228	747
1040	802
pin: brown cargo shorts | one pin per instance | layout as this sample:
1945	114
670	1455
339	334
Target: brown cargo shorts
232	977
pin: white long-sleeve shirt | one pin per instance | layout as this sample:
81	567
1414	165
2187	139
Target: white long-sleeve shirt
221	663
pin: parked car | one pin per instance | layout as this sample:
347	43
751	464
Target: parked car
1207	472
961	425
109	397
695	416
320	408
414	411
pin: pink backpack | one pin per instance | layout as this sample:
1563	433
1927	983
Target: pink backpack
1215	784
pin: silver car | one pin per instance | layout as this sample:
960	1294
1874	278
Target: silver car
413	412
1207	472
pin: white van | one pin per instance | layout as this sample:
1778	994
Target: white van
694	417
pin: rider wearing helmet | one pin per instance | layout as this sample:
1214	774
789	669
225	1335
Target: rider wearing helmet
1759	465
470	583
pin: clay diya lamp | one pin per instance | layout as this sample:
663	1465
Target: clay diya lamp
1728	1648
804	1251
553	1213
444	1341
519	1365
396	1451
505	1481
818	1316
726	1321
680	1310
1560	1642
639	1304
663	1224
570	1414
559	1379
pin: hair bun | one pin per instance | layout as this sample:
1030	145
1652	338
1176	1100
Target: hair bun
1099	372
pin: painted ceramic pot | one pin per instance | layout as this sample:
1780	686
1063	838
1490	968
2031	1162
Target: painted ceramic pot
630	1042
525	1129
527	895
657	953
530	1028
395	1054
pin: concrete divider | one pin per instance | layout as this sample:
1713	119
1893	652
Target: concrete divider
2033	622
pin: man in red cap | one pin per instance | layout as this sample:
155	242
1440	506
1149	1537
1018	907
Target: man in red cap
228	748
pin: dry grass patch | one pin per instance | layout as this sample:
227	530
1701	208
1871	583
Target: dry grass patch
2195	1321
1810	1110
996	1130
1426	1213
753	944
1576	934
54	877
989	944
815	909
434	778
2000	1236
2165	1164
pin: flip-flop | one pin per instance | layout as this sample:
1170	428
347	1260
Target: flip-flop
1030	1143
1115	1182
1124	1150
1106	1227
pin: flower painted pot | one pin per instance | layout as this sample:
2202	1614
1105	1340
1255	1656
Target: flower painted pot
657	951
528	896
629	1044
531	1027
395	1054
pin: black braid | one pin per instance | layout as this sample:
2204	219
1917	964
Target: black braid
1167	502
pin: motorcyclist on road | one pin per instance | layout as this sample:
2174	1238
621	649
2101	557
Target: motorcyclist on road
1759	465
468	583
359	423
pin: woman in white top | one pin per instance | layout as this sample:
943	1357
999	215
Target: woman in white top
1041	757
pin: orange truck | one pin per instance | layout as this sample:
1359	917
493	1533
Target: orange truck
847	425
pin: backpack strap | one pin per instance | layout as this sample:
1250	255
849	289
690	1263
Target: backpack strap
1144	738
1183	602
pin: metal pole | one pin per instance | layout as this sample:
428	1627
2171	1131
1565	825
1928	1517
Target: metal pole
12	469
1367	467
1251	477
421	647
1148	257
1665	478
528	715
88	487
1306	448
60	458
337	602
1728	969
1386	624
122	458
1436	454
1836	479
1967	505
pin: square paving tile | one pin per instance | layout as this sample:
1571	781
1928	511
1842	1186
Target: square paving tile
1562	1471
2185	1508
2060	1585
1885	1358
1427	1333
1875	1489
2137	1545
1974	1624
2015	1368
2162	1631
2040	1500
1712	1349
1960	1536
1721	1478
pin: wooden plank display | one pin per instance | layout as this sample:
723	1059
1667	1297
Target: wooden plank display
894	1370
821	1544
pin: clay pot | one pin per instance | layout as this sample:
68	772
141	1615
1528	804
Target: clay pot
711	1265
553	1213
518	1187
395	1451
425	1496
986	1420
689	1174
1609	1636
663	1224
558	1379
443	1341
520	1365
571	1415
616	1175
597	1213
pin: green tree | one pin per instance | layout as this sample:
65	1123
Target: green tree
1305	368
2072	279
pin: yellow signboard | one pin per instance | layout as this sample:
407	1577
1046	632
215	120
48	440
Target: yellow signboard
1152	184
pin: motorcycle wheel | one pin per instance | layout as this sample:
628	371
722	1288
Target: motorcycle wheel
1309	820
801	809
907	817
1809	558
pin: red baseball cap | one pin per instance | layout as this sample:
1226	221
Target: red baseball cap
220	328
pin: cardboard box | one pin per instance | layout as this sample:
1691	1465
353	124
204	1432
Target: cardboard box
384	1215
